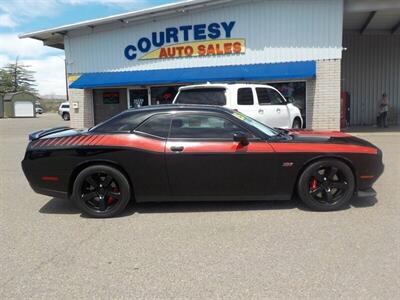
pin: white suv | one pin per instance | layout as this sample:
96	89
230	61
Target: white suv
63	111
261	102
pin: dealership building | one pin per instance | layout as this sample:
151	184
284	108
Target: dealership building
333	58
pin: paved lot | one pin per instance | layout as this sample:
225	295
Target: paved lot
196	250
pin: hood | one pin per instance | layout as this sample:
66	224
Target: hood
334	137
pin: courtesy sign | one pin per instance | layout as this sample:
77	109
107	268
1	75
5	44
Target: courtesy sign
187	41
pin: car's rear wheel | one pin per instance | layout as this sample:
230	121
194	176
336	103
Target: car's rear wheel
65	116
326	185
101	191
296	123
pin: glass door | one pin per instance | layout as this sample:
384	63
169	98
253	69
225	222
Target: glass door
138	98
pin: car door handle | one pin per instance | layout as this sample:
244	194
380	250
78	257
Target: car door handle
177	148
278	110
260	111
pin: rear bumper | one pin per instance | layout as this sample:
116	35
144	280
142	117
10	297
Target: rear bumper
368	193
51	193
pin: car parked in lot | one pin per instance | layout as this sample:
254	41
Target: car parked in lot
38	109
63	111
186	153
261	102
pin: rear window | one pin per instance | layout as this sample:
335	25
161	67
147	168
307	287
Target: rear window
207	96
65	106
123	122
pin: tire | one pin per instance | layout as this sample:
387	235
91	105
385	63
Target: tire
101	191
326	185
65	116
296	124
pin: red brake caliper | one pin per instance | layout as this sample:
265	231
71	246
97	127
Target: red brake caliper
110	199
313	184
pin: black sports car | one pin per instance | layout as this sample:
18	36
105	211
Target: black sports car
182	153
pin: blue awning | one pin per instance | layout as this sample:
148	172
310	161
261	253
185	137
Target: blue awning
255	72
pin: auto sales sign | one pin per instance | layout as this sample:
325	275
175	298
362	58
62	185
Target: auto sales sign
187	41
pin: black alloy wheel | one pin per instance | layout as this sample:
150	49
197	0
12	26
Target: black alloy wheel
65	116
101	191
326	185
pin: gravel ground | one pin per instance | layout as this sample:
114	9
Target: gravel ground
239	250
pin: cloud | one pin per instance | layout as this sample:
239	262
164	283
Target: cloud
30	9
50	74
129	4
12	46
48	63
7	21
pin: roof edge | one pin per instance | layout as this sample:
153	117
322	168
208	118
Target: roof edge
151	12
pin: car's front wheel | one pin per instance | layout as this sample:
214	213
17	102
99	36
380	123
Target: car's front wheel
101	191
296	123
326	185
65	116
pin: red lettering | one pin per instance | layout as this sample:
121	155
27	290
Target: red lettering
180	48
171	52
228	48
237	47
218	50
189	50
201	49
163	53
210	50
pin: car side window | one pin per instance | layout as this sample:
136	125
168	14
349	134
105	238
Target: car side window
263	96
245	96
276	99
156	126
203	126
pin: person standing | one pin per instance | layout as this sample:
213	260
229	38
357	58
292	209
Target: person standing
383	111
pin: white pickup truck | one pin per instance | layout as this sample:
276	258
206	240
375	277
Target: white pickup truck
261	102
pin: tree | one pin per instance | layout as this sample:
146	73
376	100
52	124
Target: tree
5	82
16	77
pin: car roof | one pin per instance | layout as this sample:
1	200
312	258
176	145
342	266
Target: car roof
223	85
184	107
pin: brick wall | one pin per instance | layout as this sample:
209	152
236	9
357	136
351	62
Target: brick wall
81	117
323	97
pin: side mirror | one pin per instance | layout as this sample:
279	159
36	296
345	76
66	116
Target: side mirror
241	138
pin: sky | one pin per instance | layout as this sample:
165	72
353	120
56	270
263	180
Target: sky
22	16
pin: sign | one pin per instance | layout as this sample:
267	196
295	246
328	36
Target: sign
187	41
73	77
110	97
206	48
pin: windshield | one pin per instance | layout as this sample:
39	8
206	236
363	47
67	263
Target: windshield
260	126
207	96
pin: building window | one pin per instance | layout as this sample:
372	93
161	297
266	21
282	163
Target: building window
138	98
163	94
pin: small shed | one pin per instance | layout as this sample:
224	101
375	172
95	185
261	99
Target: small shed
1	106
19	105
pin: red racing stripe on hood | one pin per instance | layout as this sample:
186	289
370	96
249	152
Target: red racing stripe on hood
325	148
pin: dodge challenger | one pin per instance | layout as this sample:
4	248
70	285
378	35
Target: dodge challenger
195	153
